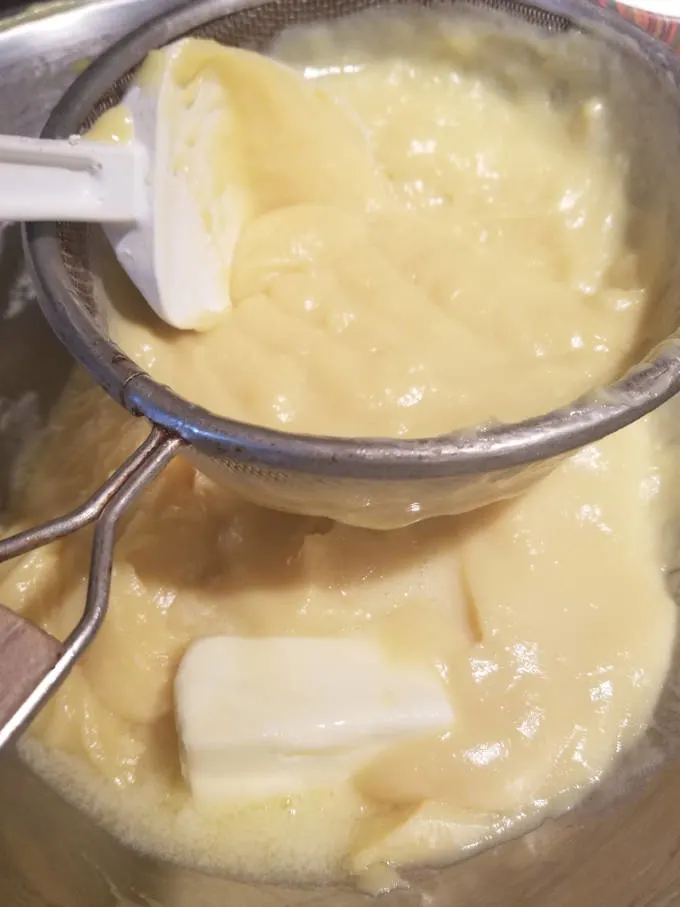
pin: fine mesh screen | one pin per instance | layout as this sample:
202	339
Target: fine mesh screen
351	482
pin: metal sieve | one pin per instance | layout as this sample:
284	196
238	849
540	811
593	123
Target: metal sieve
377	483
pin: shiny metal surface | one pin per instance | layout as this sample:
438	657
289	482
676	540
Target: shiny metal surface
622	855
43	46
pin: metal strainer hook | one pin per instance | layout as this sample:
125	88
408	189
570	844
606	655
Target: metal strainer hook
33	664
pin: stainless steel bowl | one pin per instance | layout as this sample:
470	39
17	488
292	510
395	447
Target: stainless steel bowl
620	850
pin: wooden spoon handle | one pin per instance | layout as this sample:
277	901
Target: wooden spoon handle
26	655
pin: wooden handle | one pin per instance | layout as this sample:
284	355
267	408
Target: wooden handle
26	655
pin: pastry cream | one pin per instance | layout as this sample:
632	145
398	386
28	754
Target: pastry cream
426	242
547	618
484	273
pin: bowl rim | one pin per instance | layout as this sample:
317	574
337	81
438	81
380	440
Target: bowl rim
478	449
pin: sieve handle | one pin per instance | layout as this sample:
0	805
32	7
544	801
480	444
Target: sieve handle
33	664
26	656
72	180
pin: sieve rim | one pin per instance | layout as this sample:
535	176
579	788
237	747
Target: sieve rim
478	449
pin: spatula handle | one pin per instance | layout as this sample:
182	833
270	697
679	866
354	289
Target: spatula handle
71	180
26	656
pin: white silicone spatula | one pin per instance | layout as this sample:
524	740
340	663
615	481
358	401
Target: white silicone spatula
144	206
72	180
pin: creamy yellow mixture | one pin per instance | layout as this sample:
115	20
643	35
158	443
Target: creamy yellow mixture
429	239
493	280
548	619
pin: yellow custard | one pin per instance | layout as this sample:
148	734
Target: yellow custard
471	263
548	617
425	242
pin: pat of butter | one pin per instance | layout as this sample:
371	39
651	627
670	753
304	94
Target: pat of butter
273	716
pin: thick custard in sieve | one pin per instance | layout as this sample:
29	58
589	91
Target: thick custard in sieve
433	231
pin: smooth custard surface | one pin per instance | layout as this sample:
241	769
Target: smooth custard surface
433	229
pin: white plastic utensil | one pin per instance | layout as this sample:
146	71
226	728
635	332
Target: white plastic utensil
144	206
43	179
